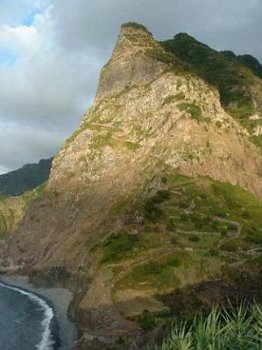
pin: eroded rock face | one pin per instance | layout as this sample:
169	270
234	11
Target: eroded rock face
131	63
146	116
12	211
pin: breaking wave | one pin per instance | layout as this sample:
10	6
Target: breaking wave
47	342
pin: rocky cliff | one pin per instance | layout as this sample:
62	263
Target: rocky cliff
145	171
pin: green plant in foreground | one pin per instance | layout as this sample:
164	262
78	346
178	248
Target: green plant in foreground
238	329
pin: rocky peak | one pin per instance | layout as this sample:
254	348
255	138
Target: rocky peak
133	38
123	171
137	58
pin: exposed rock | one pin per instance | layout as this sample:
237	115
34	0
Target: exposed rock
147	116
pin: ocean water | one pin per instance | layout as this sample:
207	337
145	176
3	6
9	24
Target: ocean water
27	322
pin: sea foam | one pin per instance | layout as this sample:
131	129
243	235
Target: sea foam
46	342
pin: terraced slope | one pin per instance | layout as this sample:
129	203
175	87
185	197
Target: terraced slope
159	189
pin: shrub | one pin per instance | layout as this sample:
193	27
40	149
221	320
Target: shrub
171	226
184	217
213	252
231	227
198	225
152	211
183	204
135	25
218	124
254	236
192	109
194	238
174	261
151	205
224	232
117	244
246	215
146	321
222	71
231	246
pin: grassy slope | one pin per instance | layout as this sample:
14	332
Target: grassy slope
189	231
12	209
232	76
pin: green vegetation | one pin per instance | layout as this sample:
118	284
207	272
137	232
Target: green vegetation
146	321
192	109
3	196
25	179
136	26
218	124
156	274
232	245
151	207
159	54
173	98
232	75
131	146
224	72
117	245
12	210
192	227
234	329
251	63
254	235
257	140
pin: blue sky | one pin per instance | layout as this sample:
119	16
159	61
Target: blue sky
28	19
51	53
7	57
22	16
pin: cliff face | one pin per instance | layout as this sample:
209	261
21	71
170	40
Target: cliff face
12	212
144	104
151	118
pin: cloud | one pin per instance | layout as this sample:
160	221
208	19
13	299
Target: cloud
51	53
94	25
36	144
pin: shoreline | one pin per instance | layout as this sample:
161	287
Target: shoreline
59	299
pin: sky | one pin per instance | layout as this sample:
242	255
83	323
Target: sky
51	53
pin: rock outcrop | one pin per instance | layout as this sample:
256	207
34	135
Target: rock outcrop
149	115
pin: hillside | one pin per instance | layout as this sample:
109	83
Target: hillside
158	193
26	178
237	78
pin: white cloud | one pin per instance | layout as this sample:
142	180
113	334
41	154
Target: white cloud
22	39
43	93
37	144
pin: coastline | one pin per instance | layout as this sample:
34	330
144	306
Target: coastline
59	298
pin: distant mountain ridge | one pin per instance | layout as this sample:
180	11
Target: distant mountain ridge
26	178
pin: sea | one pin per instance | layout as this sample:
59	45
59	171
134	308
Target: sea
27	321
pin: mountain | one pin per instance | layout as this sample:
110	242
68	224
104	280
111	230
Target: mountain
13	209
237	78
252	63
26	178
153	205
18	189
